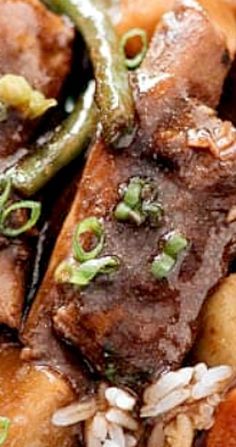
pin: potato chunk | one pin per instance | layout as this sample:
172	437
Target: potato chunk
217	339
29	395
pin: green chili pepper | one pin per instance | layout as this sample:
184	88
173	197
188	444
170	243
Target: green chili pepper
113	94
36	169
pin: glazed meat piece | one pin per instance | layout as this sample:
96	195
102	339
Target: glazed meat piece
36	44
130	322
29	396
16	254
14	265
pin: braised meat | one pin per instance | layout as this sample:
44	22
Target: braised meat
130	321
35	44
14	264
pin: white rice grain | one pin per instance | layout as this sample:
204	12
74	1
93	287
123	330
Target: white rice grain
199	371
116	434
209	384
167	383
108	418
169	402
119	398
90	439
110	443
74	413
130	441
121	418
99	427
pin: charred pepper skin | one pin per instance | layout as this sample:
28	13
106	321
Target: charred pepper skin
36	169
113	93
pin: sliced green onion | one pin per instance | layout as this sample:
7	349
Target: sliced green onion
5	186
91	225
4	427
81	275
153	210
175	244
35	208
123	213
132	196
110	372
134	62
139	203
162	266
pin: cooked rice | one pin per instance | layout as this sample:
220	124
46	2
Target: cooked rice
180	402
74	413
184	402
108	418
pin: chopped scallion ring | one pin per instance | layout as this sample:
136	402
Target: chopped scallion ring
81	275
110	372
153	210
175	244
162	266
35	208
134	62
5	187
123	213
139	203
4	427
89	225
132	196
